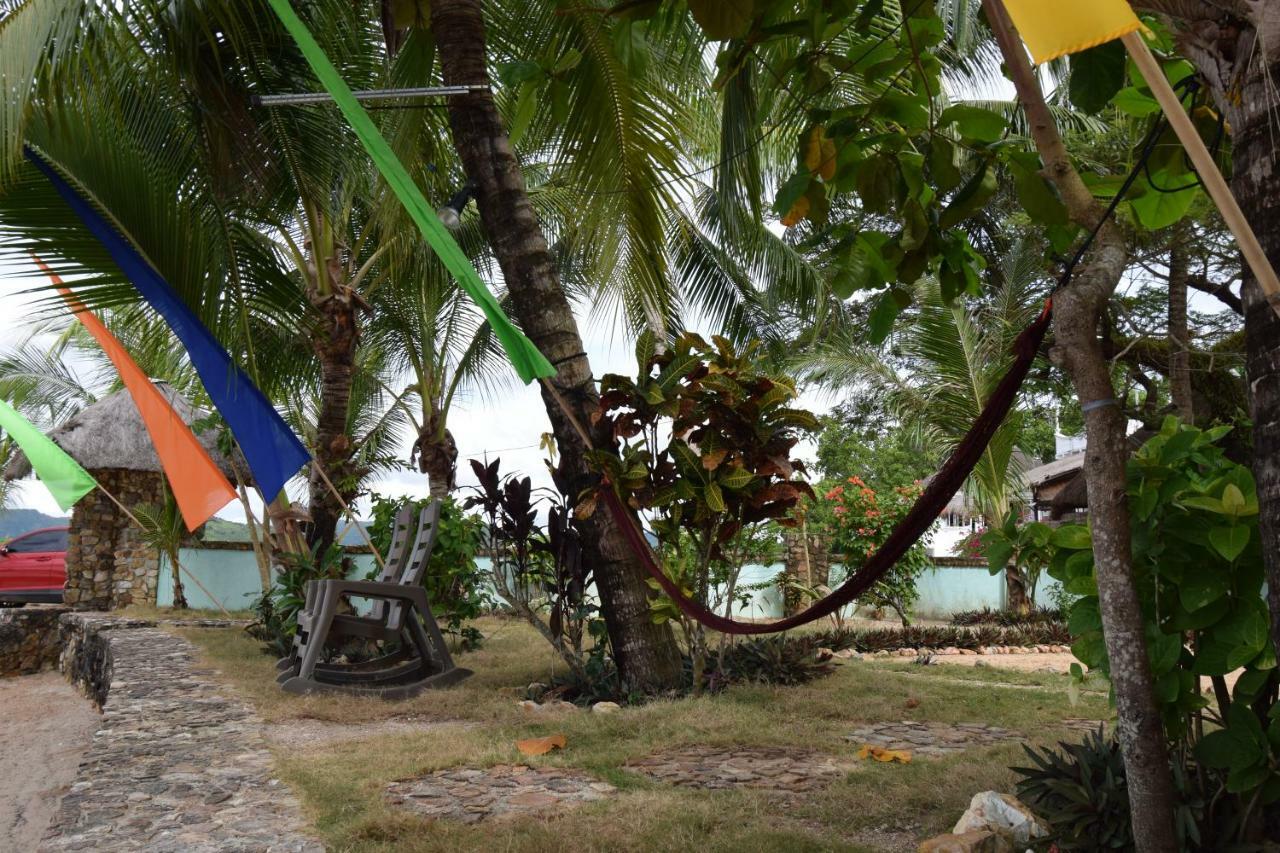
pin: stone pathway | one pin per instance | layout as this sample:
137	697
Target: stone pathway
932	739
178	764
470	795
786	771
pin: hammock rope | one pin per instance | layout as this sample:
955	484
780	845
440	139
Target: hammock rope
932	500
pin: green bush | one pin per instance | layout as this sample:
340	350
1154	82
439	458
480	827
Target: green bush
1082	794
1008	618
455	585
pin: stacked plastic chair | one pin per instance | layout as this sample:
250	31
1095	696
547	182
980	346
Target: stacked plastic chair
415	656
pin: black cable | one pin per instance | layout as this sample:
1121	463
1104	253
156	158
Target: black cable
1149	146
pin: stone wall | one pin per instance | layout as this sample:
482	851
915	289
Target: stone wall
108	566
30	639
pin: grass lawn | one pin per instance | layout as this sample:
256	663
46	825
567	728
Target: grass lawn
875	807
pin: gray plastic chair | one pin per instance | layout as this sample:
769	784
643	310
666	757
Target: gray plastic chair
400	612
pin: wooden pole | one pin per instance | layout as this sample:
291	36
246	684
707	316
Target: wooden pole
1207	169
178	566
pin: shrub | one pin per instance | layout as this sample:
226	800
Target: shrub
454	583
940	637
860	521
1081	793
1008	618
277	609
780	660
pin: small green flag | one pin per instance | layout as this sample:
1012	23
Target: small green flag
61	475
524	356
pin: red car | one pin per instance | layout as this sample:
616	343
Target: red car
33	567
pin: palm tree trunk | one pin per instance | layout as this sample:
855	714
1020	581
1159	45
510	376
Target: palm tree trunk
335	341
1256	185
179	594
646	654
1077	312
1179	335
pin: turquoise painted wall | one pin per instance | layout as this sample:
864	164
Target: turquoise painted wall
232	578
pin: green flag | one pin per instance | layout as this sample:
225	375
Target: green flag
525	357
61	475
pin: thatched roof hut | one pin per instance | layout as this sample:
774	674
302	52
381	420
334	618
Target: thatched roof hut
109	565
110	435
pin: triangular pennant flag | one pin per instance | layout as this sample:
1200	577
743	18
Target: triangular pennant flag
1056	29
528	361
61	475
199	487
273	452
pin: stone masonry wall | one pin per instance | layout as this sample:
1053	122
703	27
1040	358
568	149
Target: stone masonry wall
29	639
108	566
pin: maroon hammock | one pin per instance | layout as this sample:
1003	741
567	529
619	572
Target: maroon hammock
906	533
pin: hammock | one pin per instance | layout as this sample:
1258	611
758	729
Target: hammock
906	533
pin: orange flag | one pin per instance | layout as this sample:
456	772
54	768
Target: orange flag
200	488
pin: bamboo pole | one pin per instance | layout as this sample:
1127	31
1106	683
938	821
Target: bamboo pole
364	534
178	565
1215	185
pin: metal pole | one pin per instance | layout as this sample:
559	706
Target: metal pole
296	99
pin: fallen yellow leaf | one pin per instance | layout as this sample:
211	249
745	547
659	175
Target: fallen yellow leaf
879	753
541	745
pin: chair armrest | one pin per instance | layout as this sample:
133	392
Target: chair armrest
370	589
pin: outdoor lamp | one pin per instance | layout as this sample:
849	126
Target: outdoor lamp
451	213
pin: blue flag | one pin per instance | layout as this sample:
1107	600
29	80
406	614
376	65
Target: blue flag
273	452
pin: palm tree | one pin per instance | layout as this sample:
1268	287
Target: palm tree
938	374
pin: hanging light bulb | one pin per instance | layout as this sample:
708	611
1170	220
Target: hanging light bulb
451	213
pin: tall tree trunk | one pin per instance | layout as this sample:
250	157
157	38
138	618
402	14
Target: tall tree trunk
1077	312
647	655
1179	334
1256	185
336	336
1239	56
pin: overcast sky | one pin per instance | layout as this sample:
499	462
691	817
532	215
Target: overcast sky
508	426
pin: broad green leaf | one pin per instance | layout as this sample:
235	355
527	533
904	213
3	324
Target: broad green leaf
1129	100
1233	499
974	123
971	197
1097	74
1072	536
1159	208
1200	588
1229	541
883	313
715	498
1036	196
721	21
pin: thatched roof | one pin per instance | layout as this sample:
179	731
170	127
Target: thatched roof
110	435
1075	494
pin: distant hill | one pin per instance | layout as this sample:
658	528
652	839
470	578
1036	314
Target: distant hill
15	521
220	530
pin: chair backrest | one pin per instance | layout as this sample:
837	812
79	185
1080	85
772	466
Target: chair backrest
423	544
399	552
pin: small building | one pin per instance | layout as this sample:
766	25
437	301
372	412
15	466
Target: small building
108	565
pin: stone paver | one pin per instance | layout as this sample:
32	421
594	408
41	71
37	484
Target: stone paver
471	795
766	768
178	764
930	739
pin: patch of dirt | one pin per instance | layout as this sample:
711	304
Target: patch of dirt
1051	662
47	730
309	734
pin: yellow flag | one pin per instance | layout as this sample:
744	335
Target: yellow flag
1052	29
